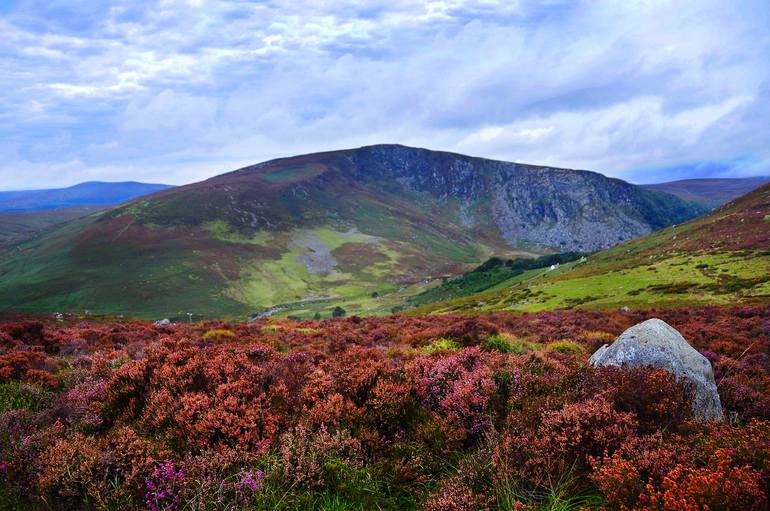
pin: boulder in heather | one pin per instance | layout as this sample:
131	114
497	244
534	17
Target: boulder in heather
655	343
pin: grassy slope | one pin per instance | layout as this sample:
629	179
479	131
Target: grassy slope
16	228
723	258
118	265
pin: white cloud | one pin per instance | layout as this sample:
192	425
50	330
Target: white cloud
180	90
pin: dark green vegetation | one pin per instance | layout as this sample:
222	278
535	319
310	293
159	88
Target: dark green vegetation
361	229
721	258
492	272
81	195
710	192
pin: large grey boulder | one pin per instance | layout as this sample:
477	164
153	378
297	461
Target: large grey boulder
655	343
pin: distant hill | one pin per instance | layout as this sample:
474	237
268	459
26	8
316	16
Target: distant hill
360	228
710	192
92	193
721	258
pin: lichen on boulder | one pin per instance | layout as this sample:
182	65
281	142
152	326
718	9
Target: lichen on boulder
655	343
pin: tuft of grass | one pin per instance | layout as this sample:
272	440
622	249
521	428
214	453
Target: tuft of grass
507	343
219	334
19	396
442	344
560	496
605	337
566	347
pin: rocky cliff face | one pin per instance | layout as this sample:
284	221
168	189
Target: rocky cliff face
523	206
529	205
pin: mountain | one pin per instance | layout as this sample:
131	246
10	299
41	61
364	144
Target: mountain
360	228
718	259
84	194
710	192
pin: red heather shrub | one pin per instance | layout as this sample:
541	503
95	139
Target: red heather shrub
392	405
538	382
309	457
27	332
440	435
456	495
718	485
221	394
458	386
564	441
745	396
349	407
748	445
623	476
654	396
712	466
468	489
70	470
466	331
28	365
6	342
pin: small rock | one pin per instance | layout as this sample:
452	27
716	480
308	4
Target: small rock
162	322
625	309
654	343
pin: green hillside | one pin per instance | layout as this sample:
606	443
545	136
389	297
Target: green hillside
722	258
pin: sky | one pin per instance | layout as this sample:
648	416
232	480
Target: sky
178	91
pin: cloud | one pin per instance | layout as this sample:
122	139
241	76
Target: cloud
179	90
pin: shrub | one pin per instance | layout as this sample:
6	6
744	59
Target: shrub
459	386
655	397
566	347
17	396
219	334
564	441
719	484
507	343
312	459
356	414
441	344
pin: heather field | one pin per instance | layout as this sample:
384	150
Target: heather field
495	411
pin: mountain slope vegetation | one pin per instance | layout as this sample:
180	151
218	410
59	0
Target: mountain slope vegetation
20	226
721	258
361	228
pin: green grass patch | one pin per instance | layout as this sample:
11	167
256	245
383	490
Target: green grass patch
507	343
671	280
21	396
219	334
442	344
566	347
